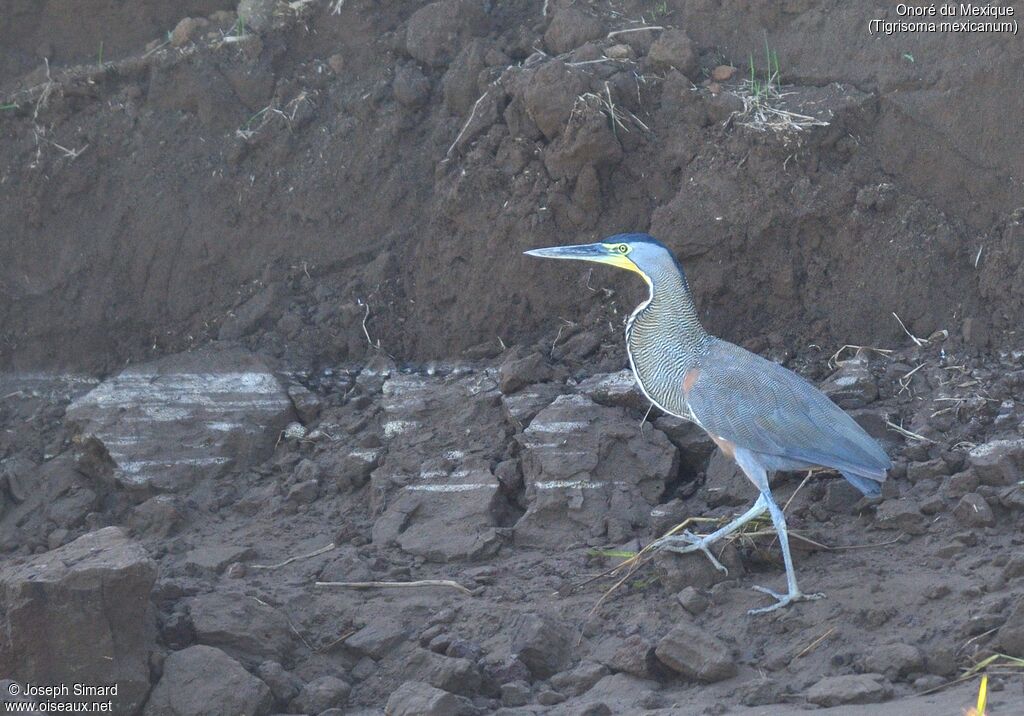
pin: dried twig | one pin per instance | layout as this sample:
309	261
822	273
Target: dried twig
810	647
296	558
917	341
906	433
465	126
399	585
616	33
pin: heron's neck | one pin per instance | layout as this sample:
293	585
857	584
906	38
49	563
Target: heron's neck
668	320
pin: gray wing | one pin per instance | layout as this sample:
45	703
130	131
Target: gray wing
765	408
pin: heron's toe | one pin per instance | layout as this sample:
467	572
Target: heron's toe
782	600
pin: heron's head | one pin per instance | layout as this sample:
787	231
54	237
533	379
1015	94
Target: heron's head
640	253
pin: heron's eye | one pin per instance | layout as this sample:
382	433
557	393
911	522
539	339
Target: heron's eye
622	248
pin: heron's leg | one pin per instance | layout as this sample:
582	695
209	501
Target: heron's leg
756	473
793	593
689	542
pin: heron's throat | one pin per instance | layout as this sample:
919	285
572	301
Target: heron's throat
665	339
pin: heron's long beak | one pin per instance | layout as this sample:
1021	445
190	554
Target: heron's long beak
580	252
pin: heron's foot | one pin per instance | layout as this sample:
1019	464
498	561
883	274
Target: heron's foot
782	600
686	542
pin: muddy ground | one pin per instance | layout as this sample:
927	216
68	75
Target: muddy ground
266	323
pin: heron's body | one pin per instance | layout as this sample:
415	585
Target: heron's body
759	413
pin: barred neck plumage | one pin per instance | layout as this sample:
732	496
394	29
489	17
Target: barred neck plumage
664	338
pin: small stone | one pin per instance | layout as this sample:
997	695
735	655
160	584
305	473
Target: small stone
723	73
1011	635
674	48
304	493
849	689
692	600
1014	567
547	697
321	694
515	693
257	14
974	511
571	27
415	698
930	470
542	643
999	462
410	86
284	685
960	484
337	63
841	496
518	373
695	654
580	679
307	404
903	515
377	638
619	52
202	679
182	33
894	661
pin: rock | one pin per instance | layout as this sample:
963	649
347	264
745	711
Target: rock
246	629
999	462
543	644
903	515
690	651
849	689
204	680
440	498
307	405
183	418
515	693
571	27
619	52
614	390
214	559
436	32
894	661
580	679
960	484
284	685
761	692
586	142
460	84
586	343
258	15
410	86
973	510
1010	637
632	655
351	468
185	30
337	63
255	313
547	697
321	694
675	49
518	373
723	73
521	407
852	386
97	589
930	470
459	676
726	484
303	493
589	471
379	637
840	496
550	96
692	600
415	698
